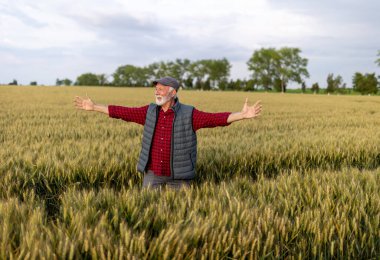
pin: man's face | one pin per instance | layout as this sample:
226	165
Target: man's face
163	94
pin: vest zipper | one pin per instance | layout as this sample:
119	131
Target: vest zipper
171	148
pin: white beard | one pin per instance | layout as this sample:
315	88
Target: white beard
160	100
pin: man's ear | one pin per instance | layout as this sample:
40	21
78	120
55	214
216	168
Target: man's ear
174	92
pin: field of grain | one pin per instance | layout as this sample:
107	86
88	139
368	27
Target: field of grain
301	181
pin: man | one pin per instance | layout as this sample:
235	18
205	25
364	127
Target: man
169	146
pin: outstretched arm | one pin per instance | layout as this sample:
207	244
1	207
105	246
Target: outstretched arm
88	105
247	112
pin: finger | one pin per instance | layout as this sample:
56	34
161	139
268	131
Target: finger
79	104
245	103
255	107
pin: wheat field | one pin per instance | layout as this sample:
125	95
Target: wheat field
302	181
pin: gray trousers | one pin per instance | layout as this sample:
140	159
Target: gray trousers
154	181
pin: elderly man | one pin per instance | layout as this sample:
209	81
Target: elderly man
169	145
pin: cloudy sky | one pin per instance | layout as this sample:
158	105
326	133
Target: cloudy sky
47	39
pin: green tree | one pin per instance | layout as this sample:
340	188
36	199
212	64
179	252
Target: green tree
189	82
87	79
212	70
291	67
193	74
278	85
250	85
103	79
207	85
65	82
365	84
334	84
178	69
130	75
33	83
378	60
315	88
303	87
223	85
159	69
237	84
198	71
198	84
276	68
14	83
218	71
263	66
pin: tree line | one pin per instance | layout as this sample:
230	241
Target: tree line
271	70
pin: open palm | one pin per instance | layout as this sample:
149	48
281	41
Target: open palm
251	111
85	104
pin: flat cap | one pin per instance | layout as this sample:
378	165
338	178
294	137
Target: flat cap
167	81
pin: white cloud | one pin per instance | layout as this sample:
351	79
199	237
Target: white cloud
43	40
33	28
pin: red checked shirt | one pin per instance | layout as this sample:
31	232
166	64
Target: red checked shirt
159	159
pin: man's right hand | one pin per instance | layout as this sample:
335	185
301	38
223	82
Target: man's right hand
85	104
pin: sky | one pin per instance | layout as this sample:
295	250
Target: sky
43	40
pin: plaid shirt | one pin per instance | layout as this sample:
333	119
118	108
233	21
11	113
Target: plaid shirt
159	159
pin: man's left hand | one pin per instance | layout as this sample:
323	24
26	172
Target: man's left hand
251	111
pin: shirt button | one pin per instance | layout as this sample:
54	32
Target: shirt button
164	117
161	150
162	138
161	161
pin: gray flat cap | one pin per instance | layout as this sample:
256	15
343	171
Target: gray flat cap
168	81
